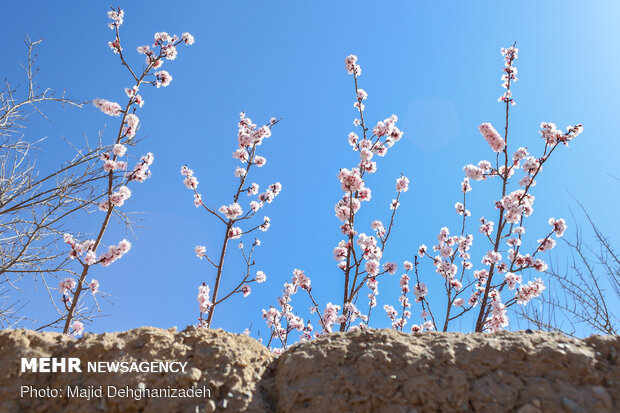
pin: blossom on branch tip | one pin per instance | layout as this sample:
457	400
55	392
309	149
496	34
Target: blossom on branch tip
187	38
351	65
107	107
163	78
559	226
260	277
200	251
115	252
94	286
402	184
493	138
117	18
265	225
204	300
301	280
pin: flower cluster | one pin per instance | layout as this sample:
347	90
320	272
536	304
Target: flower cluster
115	252
141	171
510	73
496	142
107	107
513	207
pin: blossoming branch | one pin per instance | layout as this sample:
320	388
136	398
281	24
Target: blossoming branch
250	137
115	166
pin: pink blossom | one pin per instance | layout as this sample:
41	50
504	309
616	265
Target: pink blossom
372	267
253	189
117	18
402	184
260	161
260	277
115	46
94	286
246	290
131	122
404	283
390	267
240	172
66	285
519	154
351	65
531	165
494	139
512	280
498	318
486	226
204	299
235	233
474	172
265	225
200	251
420	290
232	211
546	244
492	257
241	154
351	180
559	226
528	291
465	185
77	328
456	284
90	258
330	314
390	311
107	107
459	302
191	182
161	38
119	149
422	250
115	252
163	78
170	52
187	38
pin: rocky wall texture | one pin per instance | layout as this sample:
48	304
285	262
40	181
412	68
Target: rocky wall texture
371	371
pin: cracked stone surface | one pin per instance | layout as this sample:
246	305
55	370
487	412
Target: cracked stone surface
361	371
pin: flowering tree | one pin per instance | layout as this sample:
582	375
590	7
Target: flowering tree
506	260
116	190
249	138
359	254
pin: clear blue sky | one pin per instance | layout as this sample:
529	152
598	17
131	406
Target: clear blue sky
434	64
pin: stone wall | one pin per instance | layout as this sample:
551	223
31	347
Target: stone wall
372	371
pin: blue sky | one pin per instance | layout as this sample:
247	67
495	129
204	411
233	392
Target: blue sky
435	65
